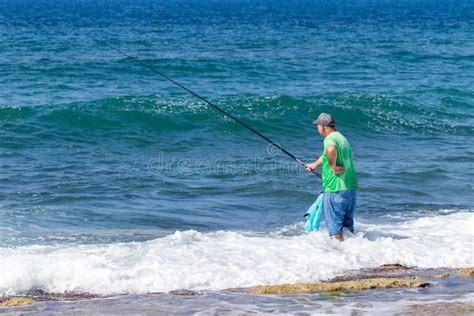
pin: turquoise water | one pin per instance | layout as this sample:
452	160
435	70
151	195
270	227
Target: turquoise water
95	149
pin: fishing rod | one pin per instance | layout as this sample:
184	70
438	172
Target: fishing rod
213	105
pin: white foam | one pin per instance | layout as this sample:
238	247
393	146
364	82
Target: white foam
220	260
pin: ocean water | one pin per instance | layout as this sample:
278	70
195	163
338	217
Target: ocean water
114	181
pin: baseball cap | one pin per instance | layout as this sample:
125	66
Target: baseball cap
325	119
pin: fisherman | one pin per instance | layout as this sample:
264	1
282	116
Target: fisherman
339	177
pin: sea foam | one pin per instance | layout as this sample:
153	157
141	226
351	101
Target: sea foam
224	259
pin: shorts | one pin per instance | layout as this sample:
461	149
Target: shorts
338	209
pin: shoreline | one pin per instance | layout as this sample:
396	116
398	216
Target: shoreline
430	291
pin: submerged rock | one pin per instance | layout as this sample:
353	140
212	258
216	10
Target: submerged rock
445	308
437	276
17	301
362	284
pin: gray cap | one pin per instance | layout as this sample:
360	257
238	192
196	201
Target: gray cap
325	119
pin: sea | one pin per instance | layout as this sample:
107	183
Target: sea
114	181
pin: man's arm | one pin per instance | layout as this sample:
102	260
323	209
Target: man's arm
331	152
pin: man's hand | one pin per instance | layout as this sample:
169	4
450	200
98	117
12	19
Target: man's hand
311	167
338	169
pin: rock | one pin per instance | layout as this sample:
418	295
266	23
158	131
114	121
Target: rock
184	293
466	272
17	301
390	267
362	284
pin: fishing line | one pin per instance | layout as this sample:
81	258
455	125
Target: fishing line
213	105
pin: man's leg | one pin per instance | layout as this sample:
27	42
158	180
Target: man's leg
334	210
349	215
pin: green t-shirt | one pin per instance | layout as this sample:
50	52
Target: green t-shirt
348	179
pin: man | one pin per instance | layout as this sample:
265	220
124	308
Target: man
339	177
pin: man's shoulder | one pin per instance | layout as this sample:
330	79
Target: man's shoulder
330	140
335	136
336	139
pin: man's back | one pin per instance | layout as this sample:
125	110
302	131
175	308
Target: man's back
347	180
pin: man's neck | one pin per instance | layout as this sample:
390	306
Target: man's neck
332	130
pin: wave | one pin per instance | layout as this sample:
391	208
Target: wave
224	259
154	114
